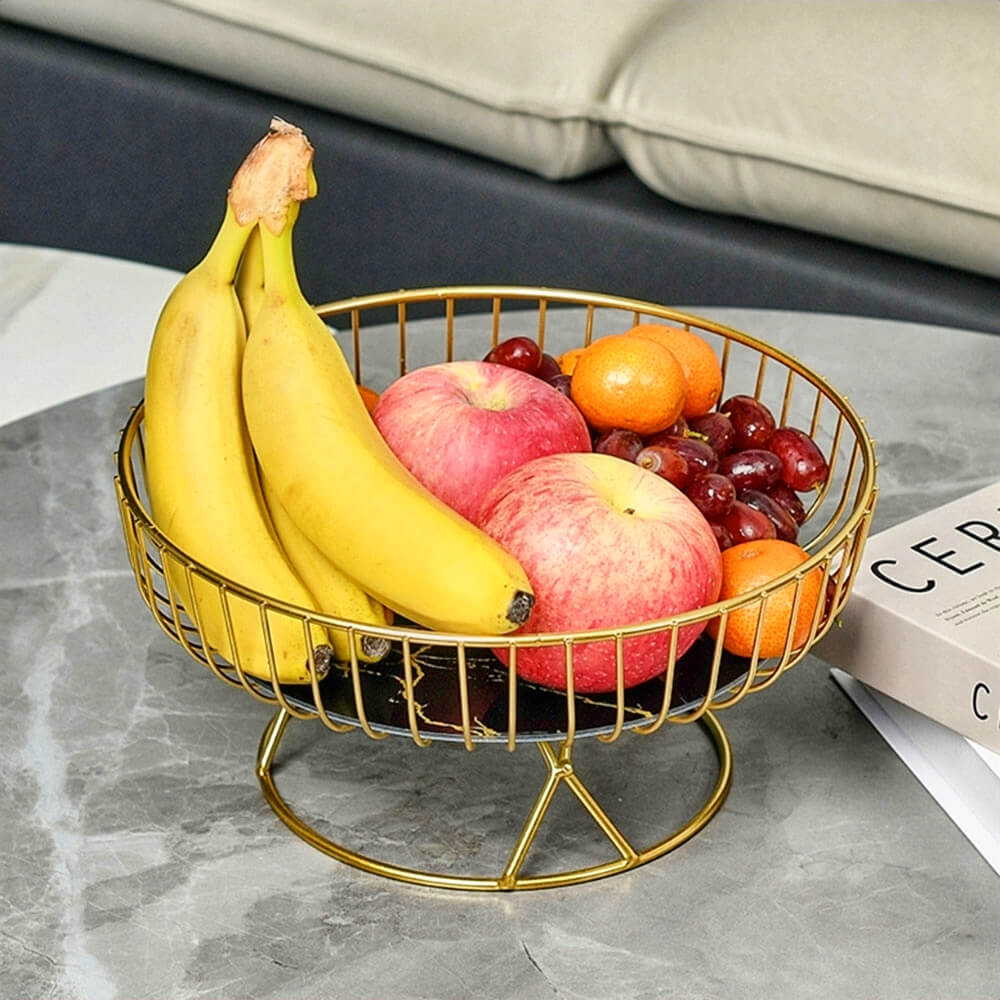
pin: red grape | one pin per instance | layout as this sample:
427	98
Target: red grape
722	535
716	429
784	523
745	524
751	468
787	497
516	352
677	429
697	453
548	368
753	423
712	494
620	443
803	466
666	463
561	382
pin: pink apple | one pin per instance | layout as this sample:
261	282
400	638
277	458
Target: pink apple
461	426
605	543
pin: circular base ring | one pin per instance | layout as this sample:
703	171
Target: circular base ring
559	770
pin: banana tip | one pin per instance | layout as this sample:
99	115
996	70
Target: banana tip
375	647
520	607
323	660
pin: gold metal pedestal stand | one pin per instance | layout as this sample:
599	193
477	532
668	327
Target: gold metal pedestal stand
558	760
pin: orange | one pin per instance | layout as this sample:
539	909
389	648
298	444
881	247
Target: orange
628	382
567	360
701	367
751	565
368	396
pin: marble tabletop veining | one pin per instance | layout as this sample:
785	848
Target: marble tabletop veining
140	860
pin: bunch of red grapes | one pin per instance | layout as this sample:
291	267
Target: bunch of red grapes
743	472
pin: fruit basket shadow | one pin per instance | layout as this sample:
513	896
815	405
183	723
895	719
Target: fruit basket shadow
436	688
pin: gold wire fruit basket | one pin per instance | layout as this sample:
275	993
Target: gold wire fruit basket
435	688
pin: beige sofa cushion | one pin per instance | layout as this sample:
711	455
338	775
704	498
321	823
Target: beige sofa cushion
875	121
519	81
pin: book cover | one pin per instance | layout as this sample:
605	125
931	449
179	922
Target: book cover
922	624
963	776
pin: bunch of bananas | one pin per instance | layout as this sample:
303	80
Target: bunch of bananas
263	464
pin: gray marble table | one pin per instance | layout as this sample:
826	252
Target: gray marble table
139	859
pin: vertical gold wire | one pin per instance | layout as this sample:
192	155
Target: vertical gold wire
449	328
713	683
409	695
272	660
511	697
140	445
817	408
789	645
820	608
171	618
543	306
588	330
726	702
244	679
786	399
761	369
619	692
668	686
356	341
833	519
152	568
761	604
128	531
314	678
846	573
227	619
463	697
401	318
135	539
570	694
724	364
194	613
495	330
359	700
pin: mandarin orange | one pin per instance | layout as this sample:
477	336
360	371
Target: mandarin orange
702	371
751	565
628	382
368	396
567	360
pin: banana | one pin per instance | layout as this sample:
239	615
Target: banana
338	480
200	470
335	593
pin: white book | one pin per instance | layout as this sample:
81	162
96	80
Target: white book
922	624
962	775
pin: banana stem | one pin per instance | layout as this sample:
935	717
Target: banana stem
280	278
223	256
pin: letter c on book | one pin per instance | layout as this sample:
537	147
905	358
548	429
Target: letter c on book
979	689
876	568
